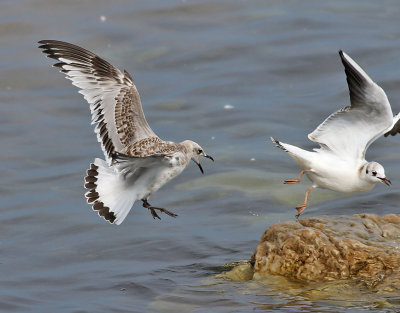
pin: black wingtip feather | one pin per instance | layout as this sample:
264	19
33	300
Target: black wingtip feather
278	144
59	65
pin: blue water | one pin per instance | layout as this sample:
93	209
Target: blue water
226	74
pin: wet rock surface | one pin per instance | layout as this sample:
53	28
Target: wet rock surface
364	248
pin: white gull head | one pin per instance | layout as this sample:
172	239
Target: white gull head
194	152
373	173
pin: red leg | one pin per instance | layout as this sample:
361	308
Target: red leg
303	206
294	181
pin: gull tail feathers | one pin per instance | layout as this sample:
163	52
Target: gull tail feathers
301	157
108	192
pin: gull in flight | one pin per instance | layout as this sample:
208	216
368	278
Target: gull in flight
137	161
339	164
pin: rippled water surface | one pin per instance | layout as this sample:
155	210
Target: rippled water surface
227	74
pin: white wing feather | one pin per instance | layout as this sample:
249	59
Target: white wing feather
349	131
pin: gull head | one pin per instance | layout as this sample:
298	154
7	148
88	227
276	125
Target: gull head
374	173
195	152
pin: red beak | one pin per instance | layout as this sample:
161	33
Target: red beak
385	181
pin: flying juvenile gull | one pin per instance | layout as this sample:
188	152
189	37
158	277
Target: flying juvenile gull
137	162
339	164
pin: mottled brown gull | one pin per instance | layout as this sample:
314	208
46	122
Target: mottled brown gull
137	161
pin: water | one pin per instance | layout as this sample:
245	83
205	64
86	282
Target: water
227	74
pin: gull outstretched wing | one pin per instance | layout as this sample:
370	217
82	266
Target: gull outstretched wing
114	100
349	131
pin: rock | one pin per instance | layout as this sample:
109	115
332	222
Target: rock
237	271
362	247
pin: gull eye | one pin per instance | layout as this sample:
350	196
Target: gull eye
366	172
199	151
374	173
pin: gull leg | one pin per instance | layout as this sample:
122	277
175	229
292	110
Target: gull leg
153	208
294	181
302	207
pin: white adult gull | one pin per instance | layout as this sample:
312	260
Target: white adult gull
339	164
137	162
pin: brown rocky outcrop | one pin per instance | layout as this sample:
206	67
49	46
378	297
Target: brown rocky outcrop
363	247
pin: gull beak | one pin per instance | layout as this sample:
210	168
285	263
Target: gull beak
385	181
209	157
199	165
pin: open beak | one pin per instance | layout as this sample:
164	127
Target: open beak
199	165
385	181
209	157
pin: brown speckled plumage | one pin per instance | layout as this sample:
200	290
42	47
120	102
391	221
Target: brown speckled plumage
137	162
153	145
123	116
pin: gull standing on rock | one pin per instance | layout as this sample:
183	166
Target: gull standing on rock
339	164
137	162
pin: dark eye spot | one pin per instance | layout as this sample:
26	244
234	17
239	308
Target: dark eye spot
366	172
374	173
199	151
